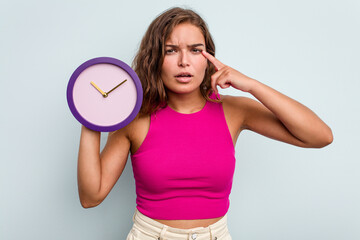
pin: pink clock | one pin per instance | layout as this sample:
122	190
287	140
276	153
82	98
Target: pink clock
104	94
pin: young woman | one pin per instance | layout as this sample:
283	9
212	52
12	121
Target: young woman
182	141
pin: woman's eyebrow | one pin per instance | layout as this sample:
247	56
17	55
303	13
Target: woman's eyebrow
189	46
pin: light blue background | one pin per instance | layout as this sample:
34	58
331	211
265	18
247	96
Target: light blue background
308	50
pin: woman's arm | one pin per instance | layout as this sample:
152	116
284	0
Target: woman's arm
299	120
98	173
278	117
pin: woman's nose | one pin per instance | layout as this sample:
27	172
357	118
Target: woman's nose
183	60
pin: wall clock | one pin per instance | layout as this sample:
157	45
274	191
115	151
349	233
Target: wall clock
104	94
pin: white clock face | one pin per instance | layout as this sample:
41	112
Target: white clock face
90	102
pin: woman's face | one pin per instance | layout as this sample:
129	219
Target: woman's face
184	66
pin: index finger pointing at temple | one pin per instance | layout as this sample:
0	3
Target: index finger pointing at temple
218	65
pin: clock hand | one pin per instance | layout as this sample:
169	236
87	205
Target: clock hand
116	87
103	93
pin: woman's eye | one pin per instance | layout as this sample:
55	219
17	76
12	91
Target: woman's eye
194	50
170	50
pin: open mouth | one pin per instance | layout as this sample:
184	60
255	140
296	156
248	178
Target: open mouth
184	77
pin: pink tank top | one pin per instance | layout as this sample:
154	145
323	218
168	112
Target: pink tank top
185	166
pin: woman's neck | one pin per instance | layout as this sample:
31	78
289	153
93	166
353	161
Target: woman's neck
186	102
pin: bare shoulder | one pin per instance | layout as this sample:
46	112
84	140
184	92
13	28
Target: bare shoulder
130	130
235	101
137	131
140	122
233	107
237	105
132	134
238	108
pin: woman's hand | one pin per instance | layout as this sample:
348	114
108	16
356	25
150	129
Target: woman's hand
278	117
226	76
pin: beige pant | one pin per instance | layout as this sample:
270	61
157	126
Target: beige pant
145	228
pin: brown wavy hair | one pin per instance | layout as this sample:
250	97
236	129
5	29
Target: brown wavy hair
150	57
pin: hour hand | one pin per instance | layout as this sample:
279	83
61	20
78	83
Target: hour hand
97	88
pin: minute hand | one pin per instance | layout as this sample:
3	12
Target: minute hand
116	87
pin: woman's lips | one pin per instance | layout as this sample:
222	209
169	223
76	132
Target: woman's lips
183	79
